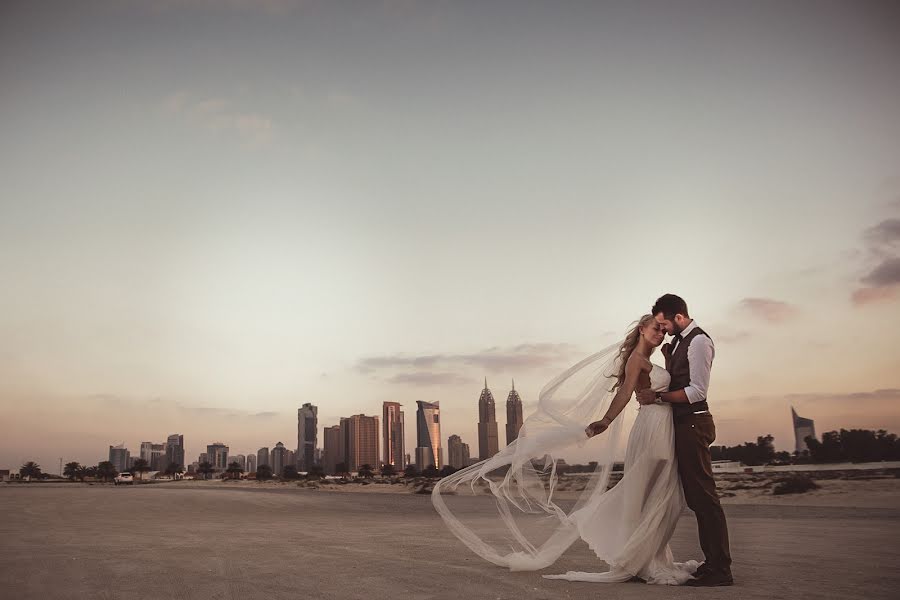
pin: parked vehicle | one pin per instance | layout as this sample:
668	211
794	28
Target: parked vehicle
123	478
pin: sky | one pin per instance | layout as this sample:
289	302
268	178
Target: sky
214	212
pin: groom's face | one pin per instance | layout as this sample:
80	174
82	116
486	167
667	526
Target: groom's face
666	324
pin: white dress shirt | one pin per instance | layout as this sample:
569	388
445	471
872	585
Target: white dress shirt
700	357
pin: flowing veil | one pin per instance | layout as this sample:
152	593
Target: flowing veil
534	529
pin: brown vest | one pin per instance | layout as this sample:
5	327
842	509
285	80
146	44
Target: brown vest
680	370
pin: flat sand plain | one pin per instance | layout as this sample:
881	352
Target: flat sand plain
205	540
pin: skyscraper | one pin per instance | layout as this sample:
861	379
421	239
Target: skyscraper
251	463
333	452
217	455
262	457
488	442
458	452
241	460
278	459
118	456
360	440
307	426
174	450
157	457
513	415
393	435
428	435
147	452
803	428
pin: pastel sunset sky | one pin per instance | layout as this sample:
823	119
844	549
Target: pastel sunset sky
213	212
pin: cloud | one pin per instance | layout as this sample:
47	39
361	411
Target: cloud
885	274
217	115
887	232
881	280
523	356
874	295
426	378
733	337
888	395
773	311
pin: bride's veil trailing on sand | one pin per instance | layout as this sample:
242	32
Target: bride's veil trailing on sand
532	530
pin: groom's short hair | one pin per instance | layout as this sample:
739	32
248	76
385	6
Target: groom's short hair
670	305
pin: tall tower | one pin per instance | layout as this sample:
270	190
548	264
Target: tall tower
262	457
278	459
334	449
118	456
217	455
174	450
458	452
428	435
360	441
394	449
307	426
803	428
513	414
488	443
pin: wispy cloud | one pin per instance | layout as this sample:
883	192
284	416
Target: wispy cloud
218	115
426	378
773	311
492	359
881	279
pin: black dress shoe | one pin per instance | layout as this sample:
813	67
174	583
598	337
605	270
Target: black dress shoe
701	570
711	579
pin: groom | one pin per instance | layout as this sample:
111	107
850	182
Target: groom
689	361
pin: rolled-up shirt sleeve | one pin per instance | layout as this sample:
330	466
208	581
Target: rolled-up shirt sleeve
700	358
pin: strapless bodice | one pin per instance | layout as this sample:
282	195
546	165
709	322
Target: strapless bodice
659	379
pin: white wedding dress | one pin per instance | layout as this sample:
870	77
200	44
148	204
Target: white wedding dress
629	526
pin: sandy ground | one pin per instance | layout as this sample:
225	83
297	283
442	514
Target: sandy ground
268	541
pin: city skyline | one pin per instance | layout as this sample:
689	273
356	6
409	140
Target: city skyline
214	212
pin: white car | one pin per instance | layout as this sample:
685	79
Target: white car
123	478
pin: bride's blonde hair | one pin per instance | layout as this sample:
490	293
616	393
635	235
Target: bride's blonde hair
628	346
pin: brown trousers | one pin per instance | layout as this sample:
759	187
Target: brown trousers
693	436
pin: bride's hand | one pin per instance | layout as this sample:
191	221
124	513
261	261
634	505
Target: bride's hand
596	428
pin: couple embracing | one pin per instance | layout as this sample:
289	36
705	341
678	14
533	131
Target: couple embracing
667	464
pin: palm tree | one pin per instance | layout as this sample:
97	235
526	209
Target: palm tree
106	470
140	467
388	471
173	469
315	472
430	471
71	470
30	469
206	469
84	471
366	471
410	471
235	470
264	472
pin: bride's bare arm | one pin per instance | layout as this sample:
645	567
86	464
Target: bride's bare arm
633	370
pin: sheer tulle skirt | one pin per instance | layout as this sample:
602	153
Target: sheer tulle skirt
629	526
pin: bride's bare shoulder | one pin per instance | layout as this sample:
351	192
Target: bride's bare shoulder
636	361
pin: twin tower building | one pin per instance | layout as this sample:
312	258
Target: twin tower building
428	431
354	442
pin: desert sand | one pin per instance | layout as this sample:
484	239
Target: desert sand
243	540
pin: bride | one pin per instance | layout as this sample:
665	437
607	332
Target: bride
628	526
